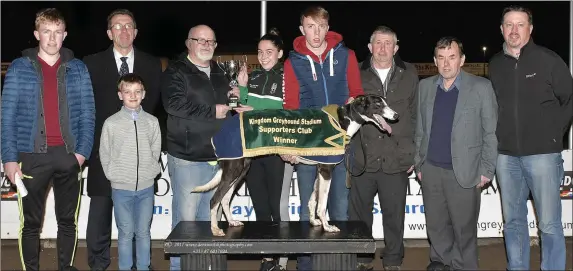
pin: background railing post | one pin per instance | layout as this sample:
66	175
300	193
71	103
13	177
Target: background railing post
263	18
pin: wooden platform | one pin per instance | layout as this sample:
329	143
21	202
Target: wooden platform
193	240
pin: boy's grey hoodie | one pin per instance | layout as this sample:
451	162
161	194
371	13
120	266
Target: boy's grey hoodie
128	163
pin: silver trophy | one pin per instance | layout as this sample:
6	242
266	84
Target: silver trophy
232	69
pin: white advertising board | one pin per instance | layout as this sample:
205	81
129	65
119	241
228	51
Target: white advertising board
490	221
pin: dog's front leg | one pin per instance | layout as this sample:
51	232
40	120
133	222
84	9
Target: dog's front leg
324	181
227	208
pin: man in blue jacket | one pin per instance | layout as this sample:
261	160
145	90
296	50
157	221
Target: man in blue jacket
47	132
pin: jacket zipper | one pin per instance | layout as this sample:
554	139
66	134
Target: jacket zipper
516	104
137	150
265	85
323	79
379	80
43	108
58	100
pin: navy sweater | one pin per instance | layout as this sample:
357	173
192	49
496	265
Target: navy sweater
440	147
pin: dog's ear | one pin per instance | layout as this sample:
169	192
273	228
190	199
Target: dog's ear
372	98
359	99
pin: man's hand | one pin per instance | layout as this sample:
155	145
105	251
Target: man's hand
410	170
234	91
243	77
349	100
11	168
243	108
484	181
221	111
81	159
289	158
420	176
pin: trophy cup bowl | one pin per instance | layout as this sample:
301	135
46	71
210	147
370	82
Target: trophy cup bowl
232	69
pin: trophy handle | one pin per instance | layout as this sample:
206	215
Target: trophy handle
218	61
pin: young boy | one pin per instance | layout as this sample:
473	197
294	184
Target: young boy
129	150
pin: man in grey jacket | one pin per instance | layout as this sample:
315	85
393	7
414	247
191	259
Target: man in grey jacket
386	160
456	152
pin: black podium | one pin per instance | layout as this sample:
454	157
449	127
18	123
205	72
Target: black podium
200	250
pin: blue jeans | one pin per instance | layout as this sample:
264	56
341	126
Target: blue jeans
337	205
541	174
133	212
186	206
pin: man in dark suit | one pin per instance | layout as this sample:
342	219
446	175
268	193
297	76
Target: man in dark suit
105	68
456	153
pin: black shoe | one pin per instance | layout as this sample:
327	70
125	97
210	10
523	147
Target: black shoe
269	266
436	266
365	267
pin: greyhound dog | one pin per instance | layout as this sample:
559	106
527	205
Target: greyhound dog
366	108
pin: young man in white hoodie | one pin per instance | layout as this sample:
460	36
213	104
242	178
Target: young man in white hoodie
130	148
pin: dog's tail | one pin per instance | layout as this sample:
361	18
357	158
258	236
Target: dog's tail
211	184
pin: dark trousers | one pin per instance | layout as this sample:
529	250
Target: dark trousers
391	189
265	183
98	232
38	170
451	218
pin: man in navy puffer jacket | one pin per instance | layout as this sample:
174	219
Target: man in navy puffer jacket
47	132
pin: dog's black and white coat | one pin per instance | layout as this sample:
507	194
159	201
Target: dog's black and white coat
368	108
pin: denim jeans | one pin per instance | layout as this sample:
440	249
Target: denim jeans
133	211
541	174
337	205
186	206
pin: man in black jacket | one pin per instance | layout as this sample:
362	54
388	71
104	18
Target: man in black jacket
389	158
105	68
533	87
194	92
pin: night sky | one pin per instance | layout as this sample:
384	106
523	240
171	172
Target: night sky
163	26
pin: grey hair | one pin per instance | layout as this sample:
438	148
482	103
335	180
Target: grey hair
384	30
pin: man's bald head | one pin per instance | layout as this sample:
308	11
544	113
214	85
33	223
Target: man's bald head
201	43
196	30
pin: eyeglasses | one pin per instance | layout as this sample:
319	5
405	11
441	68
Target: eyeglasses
203	41
119	26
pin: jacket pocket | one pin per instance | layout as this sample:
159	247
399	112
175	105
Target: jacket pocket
405	150
472	124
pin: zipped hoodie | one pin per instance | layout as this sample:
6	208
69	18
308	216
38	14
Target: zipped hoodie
313	81
130	148
264	89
